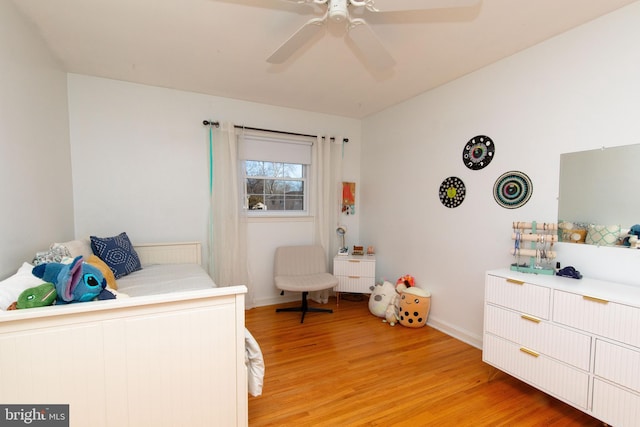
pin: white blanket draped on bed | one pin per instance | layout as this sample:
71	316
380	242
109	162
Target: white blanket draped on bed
255	364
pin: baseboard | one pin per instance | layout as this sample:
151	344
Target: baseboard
280	299
457	333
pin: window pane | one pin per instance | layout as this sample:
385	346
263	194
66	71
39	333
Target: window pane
254	168
275	203
255	186
292	171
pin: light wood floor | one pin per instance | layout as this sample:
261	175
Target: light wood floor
350	369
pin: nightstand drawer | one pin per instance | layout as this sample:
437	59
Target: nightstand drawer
359	285
354	268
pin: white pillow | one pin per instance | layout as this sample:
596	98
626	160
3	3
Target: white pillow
13	286
78	247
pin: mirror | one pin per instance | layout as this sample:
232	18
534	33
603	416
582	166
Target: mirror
597	187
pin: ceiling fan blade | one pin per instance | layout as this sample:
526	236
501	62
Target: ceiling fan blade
296	41
400	5
368	44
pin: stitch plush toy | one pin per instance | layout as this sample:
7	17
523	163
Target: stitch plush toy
74	282
634	231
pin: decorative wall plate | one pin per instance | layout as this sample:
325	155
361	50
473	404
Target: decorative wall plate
452	192
512	189
478	152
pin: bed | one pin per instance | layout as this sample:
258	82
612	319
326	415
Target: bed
164	358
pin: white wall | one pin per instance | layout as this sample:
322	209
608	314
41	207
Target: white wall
140	165
35	163
577	91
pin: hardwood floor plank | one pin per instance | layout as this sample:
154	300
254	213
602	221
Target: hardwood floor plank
351	369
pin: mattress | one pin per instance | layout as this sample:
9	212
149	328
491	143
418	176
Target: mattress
165	278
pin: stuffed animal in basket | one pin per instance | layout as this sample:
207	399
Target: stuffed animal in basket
382	294
392	313
74	282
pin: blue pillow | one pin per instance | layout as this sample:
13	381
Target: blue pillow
118	253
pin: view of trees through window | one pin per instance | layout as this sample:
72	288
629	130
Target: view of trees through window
275	186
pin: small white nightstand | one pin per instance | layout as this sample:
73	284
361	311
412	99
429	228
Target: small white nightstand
355	273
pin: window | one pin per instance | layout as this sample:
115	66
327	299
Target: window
275	174
274	186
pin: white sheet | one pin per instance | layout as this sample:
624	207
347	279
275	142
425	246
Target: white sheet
255	364
164	278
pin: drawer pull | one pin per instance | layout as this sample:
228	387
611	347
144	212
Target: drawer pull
515	282
594	299
354	277
530	318
529	352
354	260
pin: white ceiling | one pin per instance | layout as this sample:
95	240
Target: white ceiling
219	47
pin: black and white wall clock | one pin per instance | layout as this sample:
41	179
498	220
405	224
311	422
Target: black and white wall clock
478	152
512	189
452	192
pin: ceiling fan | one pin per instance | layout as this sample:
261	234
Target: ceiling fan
358	31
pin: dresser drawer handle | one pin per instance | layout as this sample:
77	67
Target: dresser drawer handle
354	260
354	277
530	318
529	352
594	299
515	282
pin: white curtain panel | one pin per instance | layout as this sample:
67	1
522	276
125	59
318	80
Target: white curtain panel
326	197
228	260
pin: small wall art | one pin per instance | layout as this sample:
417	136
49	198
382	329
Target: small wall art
512	189
349	198
478	152
452	192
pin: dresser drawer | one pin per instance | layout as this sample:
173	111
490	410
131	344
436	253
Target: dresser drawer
612	320
554	341
354	268
519	296
540	371
618	364
614	405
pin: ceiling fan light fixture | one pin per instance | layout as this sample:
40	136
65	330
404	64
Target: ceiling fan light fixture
338	10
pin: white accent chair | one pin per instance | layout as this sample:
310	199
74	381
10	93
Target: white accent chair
302	269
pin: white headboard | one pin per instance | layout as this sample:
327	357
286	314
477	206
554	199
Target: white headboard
169	253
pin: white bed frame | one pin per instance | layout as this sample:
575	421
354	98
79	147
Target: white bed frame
163	360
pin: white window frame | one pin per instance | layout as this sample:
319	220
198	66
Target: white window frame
276	148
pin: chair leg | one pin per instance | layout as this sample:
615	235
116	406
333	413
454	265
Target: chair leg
304	308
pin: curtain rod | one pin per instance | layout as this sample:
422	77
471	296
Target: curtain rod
217	124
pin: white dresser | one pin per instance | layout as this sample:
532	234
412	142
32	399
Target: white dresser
355	273
577	340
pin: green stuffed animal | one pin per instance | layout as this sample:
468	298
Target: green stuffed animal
38	296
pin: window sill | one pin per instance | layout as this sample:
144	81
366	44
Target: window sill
293	218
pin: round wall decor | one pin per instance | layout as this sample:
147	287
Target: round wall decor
478	152
512	189
452	192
